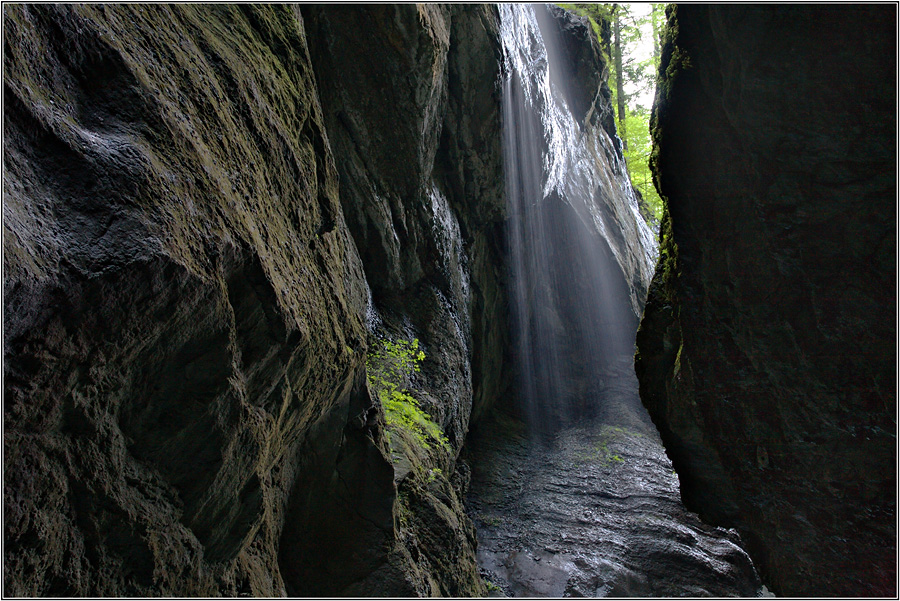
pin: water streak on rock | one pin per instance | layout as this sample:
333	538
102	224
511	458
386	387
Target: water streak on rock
586	508
581	256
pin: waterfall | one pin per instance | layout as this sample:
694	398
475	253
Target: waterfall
581	256
559	517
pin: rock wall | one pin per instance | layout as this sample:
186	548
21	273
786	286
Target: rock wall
197	227
766	354
183	300
414	126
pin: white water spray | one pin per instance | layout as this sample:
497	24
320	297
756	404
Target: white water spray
580	254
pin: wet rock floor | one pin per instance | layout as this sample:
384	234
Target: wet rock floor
594	512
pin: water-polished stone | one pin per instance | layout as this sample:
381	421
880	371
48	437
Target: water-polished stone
595	511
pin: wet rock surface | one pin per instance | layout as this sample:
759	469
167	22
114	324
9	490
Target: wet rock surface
594	511
407	93
580	256
579	498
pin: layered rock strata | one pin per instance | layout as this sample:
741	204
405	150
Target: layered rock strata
183	300
414	126
188	273
766	354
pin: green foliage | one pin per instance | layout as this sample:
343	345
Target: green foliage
639	76
595	12
433	474
599	451
634	29
663	283
637	155
389	367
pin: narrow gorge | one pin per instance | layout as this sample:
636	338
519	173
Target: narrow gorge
358	300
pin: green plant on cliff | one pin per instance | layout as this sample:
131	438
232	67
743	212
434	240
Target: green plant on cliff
632	50
637	156
390	366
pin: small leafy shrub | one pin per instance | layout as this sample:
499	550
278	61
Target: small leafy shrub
389	366
490	520
433	473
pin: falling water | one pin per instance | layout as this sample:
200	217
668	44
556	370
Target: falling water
583	501
581	255
590	506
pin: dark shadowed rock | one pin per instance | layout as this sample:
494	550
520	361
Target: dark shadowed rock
470	162
414	125
767	350
186	406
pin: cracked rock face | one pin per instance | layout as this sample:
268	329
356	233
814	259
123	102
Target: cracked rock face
407	96
183	301
186	409
766	354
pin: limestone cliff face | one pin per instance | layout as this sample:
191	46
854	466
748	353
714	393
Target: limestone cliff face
414	126
766	354
183	300
194	232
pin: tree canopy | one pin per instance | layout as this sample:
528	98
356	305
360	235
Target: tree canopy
629	35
